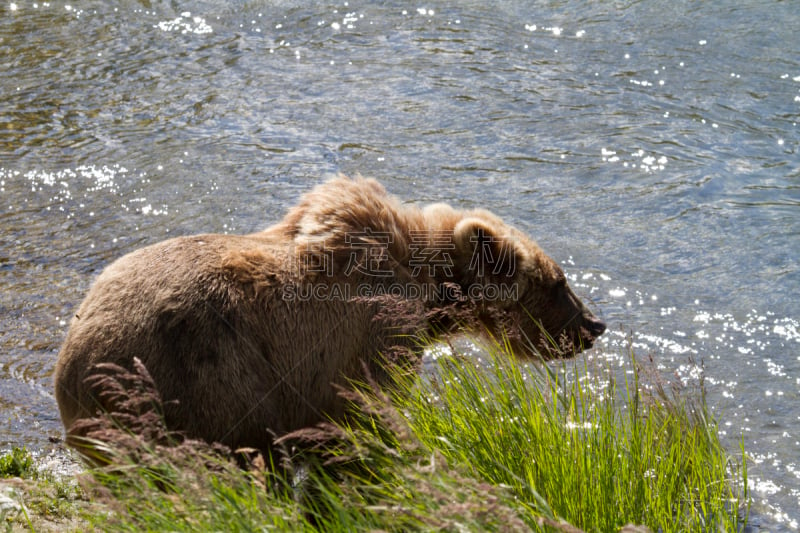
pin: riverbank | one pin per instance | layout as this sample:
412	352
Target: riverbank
474	445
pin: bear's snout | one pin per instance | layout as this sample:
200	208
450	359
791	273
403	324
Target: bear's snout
589	329
595	326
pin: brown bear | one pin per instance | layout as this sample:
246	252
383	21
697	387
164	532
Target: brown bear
249	337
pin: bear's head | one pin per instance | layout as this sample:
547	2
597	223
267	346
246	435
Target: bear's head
518	291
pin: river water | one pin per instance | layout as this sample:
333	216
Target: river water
650	147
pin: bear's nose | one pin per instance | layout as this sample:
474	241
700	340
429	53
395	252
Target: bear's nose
595	326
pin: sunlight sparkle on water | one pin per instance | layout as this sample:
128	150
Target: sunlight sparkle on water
640	159
185	24
67	187
96	178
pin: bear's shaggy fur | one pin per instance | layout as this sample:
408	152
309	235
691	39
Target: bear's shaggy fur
247	337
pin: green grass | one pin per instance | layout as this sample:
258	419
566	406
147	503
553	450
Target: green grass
45	501
496	446
635	453
18	462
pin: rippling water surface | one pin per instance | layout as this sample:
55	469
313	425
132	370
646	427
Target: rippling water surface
650	147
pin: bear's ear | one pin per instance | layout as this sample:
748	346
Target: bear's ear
483	249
